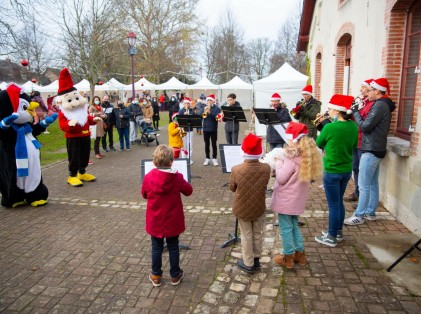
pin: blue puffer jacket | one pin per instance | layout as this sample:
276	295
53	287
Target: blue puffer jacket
210	124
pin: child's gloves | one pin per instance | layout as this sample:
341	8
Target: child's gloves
48	120
7	122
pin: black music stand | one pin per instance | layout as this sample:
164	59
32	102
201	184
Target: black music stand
266	117
190	121
414	246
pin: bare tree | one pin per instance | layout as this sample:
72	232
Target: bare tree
87	28
165	29
225	53
259	51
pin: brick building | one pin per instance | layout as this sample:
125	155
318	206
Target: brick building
349	41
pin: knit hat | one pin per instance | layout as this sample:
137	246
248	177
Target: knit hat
202	96
187	99
295	131
252	147
381	84
276	96
211	97
65	82
308	89
367	82
341	102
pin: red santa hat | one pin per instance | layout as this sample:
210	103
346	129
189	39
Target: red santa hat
367	82
341	102
308	89
14	91
211	97
65	82
381	84
295	131
252	147
174	116
276	96
187	100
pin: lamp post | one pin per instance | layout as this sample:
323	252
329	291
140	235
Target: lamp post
131	40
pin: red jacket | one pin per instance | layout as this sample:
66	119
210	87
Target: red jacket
74	131
364	112
164	210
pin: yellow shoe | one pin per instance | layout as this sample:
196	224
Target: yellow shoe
86	177
39	203
17	204
74	181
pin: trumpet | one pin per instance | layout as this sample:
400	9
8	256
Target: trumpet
358	102
295	112
321	120
206	112
181	132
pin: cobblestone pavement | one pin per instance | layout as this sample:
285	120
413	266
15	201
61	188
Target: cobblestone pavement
87	252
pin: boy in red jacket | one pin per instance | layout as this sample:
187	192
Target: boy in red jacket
162	187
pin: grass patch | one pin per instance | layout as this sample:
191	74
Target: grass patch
361	257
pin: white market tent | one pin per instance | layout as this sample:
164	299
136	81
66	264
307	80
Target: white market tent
83	85
142	84
286	81
115	85
241	89
50	88
172	84
203	86
30	86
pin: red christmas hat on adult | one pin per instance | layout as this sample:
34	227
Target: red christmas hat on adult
186	99
296	130
65	82
381	84
276	96
308	89
367	82
252	147
211	97
341	103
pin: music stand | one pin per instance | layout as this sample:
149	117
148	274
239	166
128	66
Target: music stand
414	246
190	121
266	117
236	114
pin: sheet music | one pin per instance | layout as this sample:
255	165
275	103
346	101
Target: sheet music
178	164
233	156
280	128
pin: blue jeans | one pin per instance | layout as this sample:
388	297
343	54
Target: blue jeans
335	185
368	183
356	156
174	252
292	239
123	134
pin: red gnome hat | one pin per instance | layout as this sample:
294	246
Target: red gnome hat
65	82
275	96
252	147
308	89
295	131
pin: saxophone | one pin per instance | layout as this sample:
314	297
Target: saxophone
181	132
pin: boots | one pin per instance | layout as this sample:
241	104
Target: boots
284	260
300	258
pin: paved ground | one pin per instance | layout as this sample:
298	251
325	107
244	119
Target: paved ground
87	252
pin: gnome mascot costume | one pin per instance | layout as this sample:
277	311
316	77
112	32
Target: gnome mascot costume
74	121
20	171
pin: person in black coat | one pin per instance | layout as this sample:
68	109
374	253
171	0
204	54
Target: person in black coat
155	117
122	115
173	106
272	136
232	126
110	123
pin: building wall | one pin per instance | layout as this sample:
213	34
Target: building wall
377	29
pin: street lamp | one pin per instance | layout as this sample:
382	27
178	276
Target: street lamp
131	40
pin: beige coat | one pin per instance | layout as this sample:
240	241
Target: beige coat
100	125
249	181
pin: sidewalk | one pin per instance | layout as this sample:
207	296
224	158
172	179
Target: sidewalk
87	252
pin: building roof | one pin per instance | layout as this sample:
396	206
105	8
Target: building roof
305	25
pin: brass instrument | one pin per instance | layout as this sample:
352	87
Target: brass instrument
181	132
206	112
295	112
358	102
321	120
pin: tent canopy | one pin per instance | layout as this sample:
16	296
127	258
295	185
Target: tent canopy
50	88
29	87
236	83
203	84
83	85
172	84
113	84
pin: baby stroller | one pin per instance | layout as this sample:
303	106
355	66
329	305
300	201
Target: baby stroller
147	132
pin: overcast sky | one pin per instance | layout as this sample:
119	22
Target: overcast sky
258	18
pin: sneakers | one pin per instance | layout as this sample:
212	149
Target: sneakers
353	221
113	149
243	267
339	236
207	162
351	198
370	217
176	280
155	279
215	162
326	240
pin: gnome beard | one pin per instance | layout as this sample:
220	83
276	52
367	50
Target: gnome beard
78	114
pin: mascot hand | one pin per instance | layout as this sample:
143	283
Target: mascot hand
48	120
72	122
7	122
97	119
